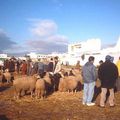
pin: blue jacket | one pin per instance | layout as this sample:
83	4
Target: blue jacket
89	73
40	66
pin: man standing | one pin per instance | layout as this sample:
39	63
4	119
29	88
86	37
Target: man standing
41	68
51	65
107	73
56	72
11	68
89	74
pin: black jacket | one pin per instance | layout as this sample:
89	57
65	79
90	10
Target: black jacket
11	66
108	73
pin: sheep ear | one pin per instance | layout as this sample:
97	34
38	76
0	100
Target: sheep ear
36	76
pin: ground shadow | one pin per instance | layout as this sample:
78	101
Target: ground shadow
97	91
79	86
3	117
3	88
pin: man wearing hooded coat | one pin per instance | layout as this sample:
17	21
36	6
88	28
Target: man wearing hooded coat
107	73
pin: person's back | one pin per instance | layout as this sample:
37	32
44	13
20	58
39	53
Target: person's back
89	72
11	66
107	73
40	66
50	65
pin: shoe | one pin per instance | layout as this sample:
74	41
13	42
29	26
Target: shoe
112	105
83	103
102	106
90	104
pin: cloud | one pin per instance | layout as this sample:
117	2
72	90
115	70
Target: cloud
45	37
44	28
57	44
108	45
14	49
5	41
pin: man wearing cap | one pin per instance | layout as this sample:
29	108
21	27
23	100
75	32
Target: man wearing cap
107	73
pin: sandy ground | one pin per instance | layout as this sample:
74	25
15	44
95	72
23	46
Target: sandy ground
57	106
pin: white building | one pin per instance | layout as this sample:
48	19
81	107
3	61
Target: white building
3	55
34	56
80	51
92	47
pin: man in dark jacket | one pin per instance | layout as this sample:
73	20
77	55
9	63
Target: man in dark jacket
51	65
11	68
107	73
41	69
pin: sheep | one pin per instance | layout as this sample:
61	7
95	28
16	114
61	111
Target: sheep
70	83
24	83
49	83
40	88
7	76
62	85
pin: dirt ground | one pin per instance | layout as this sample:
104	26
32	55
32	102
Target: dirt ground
57	106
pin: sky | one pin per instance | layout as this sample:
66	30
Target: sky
46	26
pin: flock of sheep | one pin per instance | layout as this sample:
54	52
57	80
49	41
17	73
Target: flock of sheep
41	87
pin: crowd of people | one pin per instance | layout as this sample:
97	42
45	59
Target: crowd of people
108	73
30	67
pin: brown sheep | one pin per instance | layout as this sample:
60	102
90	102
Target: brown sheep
47	78
48	83
71	83
68	84
24	83
40	88
7	76
62	85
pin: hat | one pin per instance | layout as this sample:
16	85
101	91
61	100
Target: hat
109	58
56	58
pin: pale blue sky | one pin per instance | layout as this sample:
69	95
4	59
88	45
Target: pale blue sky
36	25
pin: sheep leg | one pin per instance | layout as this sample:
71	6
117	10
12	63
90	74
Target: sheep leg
18	95
36	94
31	94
